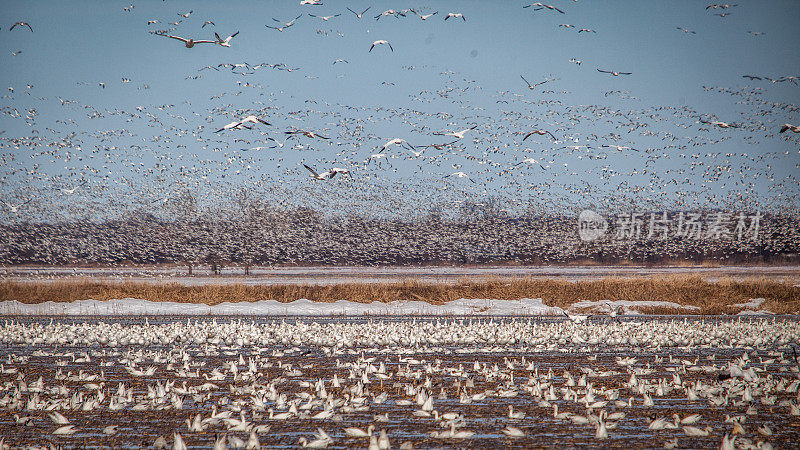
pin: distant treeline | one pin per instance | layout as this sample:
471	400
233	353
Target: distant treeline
304	236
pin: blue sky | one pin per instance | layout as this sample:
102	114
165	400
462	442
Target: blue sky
442	76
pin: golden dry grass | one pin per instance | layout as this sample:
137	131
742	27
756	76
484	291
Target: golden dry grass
712	297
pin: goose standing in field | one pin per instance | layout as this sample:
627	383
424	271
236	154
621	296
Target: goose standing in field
188	42
616	74
178	443
361	14
515	415
322	440
65	430
25	421
694	431
513	432
225	42
383	441
57	418
358	432
380	42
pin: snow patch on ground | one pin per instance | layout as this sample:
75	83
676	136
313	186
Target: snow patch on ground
626	306
130	306
752	307
754	303
750	312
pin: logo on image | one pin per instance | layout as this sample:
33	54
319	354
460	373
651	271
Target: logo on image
591	225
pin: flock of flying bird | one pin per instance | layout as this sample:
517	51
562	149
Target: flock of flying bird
524	148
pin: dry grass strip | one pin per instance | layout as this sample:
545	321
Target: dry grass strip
712	297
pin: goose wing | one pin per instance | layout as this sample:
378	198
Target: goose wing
184	40
313	172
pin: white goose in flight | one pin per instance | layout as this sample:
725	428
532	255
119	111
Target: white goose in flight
395	141
460	175
22	24
530	161
533	86
457	134
188	42
792	128
455	16
539	6
719	123
379	42
325	18
361	14
540	133
425	16
72	191
619	147
240	123
15	208
227	41
308	134
284	25
616	74
327	175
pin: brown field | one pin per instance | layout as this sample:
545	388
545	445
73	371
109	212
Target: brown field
712	297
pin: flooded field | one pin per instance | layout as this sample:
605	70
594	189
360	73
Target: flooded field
414	382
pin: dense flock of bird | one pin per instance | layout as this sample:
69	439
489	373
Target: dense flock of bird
528	145
399	384
259	235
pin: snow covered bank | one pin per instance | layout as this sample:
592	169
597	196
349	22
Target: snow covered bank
479	307
130	306
627	306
